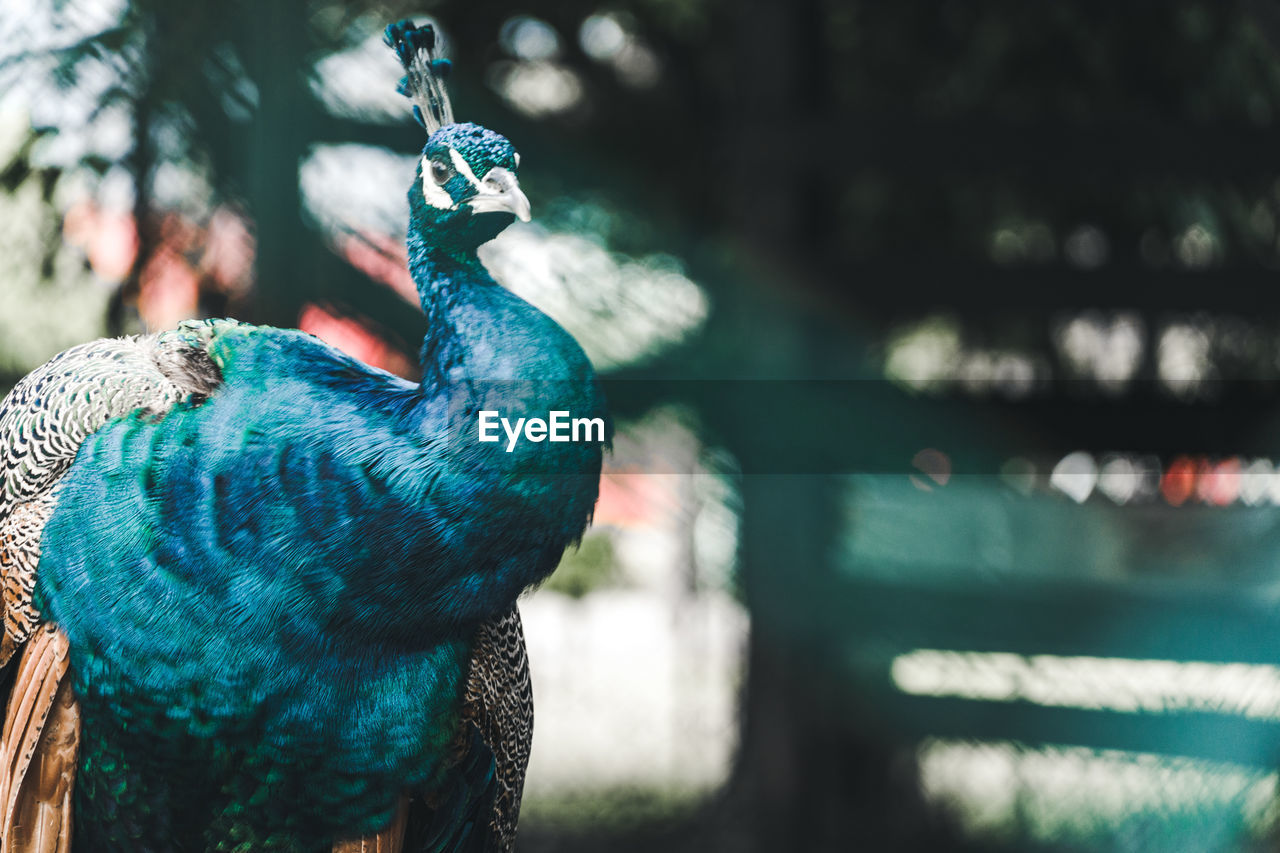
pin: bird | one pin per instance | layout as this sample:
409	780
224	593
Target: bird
258	595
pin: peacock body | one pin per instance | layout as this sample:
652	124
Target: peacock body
279	583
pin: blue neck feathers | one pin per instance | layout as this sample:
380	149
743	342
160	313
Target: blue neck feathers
443	281
478	331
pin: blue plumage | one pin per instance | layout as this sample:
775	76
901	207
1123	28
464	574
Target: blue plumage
270	594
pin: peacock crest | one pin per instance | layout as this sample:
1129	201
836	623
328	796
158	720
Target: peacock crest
425	74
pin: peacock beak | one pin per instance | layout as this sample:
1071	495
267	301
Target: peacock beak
499	192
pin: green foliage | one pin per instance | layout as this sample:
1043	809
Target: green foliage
590	566
48	299
615	809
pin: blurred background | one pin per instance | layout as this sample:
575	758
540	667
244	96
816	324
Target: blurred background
943	340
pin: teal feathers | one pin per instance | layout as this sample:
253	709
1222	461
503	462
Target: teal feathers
459	815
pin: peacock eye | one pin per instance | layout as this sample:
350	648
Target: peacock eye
440	172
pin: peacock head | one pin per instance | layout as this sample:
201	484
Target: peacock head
466	189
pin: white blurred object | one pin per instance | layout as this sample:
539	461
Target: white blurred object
620	309
602	37
1059	794
1075	475
1108	350
30	34
536	88
345	187
360	82
606	39
630	691
529	38
1256	482
1119	479
1182	357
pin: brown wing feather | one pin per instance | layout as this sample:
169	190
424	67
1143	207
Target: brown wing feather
39	747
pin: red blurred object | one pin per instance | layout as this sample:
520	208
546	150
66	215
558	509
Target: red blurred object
187	259
190	259
382	259
109	240
1179	481
229	249
1219	484
168	290
628	499
355	339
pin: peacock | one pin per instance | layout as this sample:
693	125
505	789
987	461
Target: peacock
261	596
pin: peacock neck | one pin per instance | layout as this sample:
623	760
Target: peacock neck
488	351
479	332
445	281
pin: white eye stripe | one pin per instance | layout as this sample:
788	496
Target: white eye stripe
434	194
438	197
464	170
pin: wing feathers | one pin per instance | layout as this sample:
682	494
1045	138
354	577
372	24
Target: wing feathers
19	554
499	701
39	745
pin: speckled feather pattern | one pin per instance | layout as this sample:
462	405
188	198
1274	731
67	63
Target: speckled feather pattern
19	556
51	411
499	701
